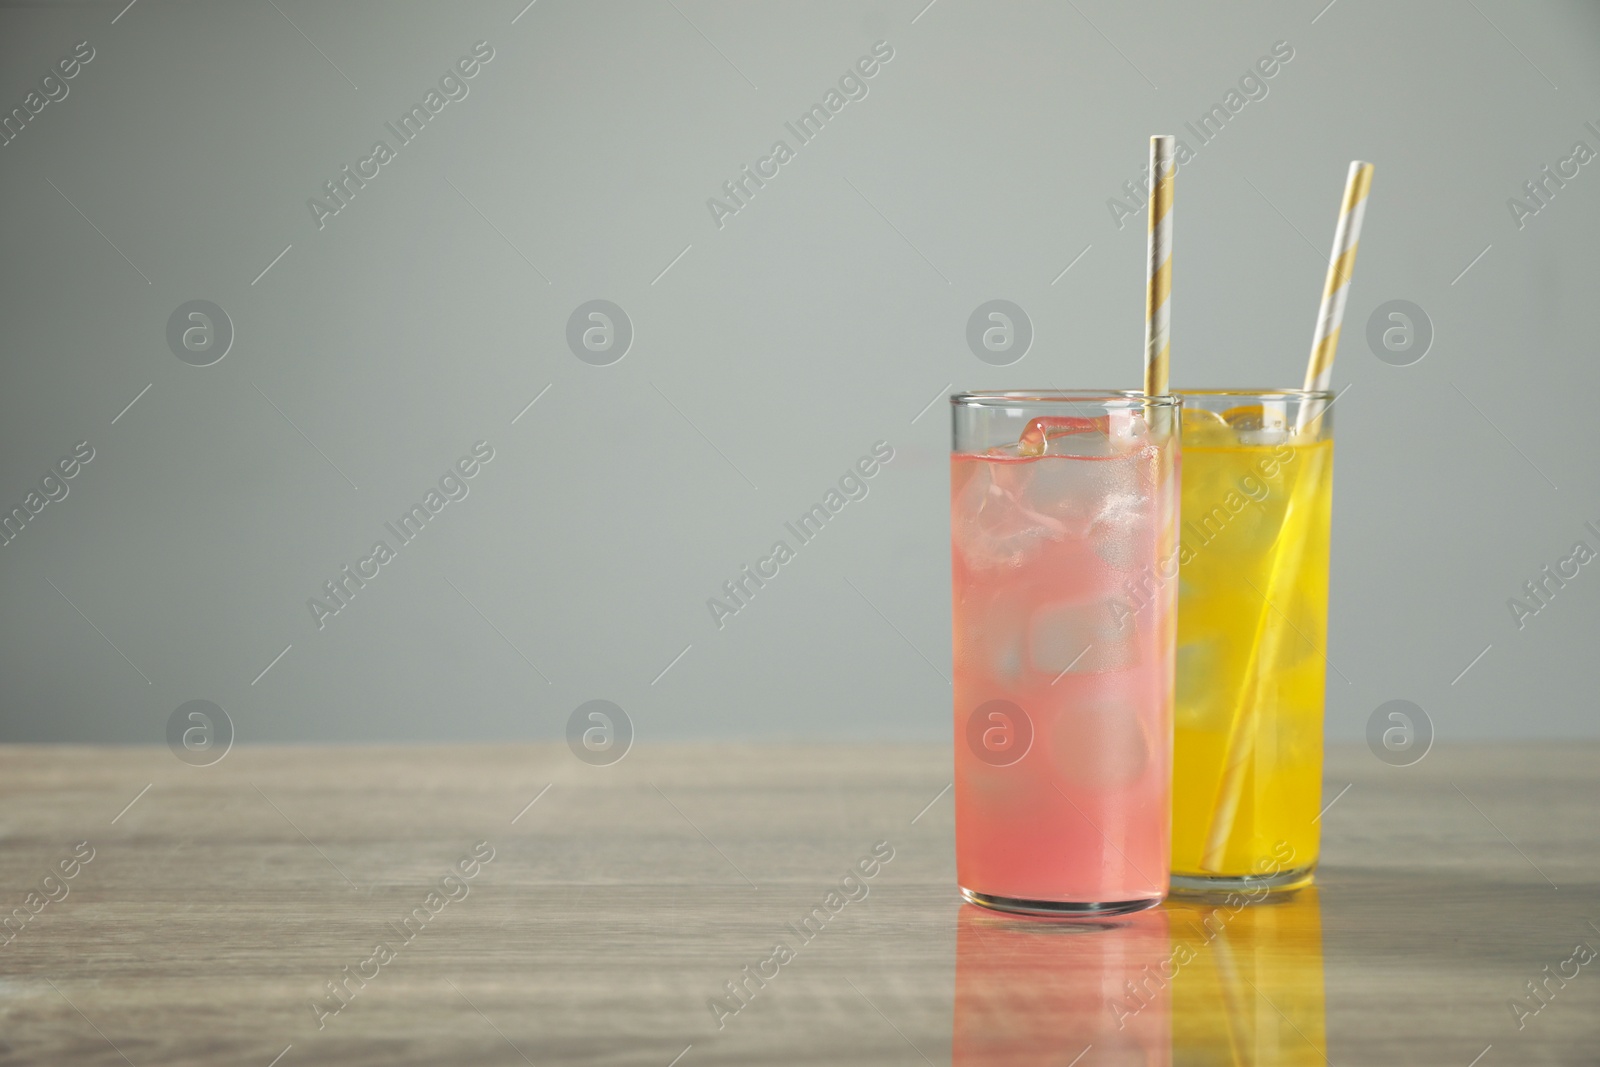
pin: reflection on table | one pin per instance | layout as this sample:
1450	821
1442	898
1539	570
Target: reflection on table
1196	982
1252	994
1043	991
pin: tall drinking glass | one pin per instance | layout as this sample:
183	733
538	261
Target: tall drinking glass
1063	517
1252	625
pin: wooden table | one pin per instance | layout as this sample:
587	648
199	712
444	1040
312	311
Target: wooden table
220	903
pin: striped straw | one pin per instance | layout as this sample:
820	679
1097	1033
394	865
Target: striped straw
1341	264
1158	275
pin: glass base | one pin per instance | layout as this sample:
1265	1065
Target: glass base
1207	885
1060	909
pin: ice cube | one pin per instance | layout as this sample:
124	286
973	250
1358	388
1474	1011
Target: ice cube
991	523
1121	531
988	634
1305	631
1066	489
1200	693
1203	428
1084	637
1046	431
1120	552
1266	423
1011	450
1005	657
1122	424
1245	416
1098	744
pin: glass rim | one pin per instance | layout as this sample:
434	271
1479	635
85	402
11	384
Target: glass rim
1261	394
1110	397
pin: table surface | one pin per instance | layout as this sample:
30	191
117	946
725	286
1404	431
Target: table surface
221	902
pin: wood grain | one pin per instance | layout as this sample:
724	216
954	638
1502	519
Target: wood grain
219	904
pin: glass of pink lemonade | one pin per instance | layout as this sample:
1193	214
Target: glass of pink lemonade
1063	516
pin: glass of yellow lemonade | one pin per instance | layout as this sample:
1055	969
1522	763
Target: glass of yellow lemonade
1257	481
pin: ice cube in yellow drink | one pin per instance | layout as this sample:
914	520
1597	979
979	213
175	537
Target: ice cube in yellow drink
1250	673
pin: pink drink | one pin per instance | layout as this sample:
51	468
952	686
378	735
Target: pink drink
1064	563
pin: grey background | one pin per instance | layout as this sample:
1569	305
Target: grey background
823	317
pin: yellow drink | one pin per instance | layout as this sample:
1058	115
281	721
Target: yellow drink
1252	622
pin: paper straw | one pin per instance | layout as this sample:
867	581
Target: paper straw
1341	264
1287	555
1158	275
